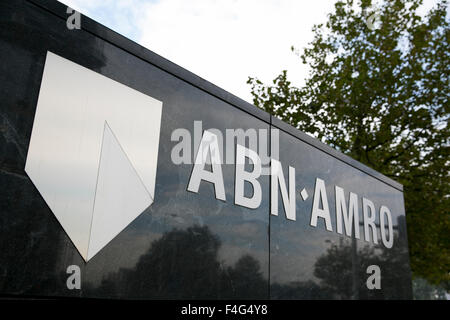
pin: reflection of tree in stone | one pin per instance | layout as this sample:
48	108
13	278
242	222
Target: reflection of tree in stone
185	260
34	249
334	269
244	281
183	264
299	290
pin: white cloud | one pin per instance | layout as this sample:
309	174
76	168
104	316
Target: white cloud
227	41
223	42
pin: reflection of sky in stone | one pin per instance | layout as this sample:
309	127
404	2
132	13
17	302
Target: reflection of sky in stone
241	231
296	246
129	239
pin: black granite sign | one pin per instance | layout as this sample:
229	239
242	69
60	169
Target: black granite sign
242	205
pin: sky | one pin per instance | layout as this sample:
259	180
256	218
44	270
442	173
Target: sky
222	41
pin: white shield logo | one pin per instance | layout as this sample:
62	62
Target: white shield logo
93	152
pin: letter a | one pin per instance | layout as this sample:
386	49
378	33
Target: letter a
374	281
320	193
208	146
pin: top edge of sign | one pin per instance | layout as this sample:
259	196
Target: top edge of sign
108	35
334	153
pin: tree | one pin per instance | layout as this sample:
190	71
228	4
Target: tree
184	264
381	96
346	278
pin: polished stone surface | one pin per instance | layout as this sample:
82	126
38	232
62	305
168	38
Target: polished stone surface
186	245
309	262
